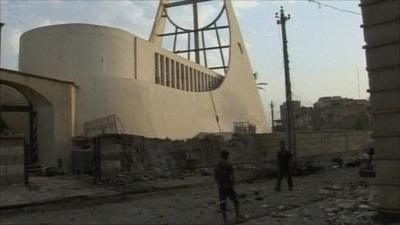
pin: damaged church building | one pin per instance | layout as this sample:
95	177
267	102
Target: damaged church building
79	80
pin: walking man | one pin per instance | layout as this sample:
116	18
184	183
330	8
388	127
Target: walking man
225	180
284	159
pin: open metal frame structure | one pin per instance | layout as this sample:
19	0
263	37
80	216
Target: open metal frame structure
200	47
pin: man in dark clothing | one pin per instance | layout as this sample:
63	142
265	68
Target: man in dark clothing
225	180
371	150
284	158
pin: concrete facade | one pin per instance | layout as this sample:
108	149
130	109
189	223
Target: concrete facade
381	20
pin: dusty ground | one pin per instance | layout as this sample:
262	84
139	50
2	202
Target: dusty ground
335	196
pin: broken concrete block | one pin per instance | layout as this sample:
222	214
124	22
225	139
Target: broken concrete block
247	216
338	161
337	187
347	204
353	163
331	210
281	207
50	171
242	195
323	192
331	214
364	206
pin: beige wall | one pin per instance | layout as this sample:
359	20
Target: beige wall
382	34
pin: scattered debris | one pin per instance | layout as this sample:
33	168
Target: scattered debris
51	171
258	198
281	207
242	195
367	172
306	168
347	204
337	187
206	172
353	163
338	161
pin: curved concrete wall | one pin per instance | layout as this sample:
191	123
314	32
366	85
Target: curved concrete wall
114	71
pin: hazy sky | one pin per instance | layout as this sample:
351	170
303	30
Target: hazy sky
325	45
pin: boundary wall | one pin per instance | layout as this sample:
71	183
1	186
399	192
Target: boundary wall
128	153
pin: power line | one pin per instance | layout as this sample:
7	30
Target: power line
334	7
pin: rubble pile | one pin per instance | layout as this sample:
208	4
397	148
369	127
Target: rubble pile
367	171
353	163
148	175
349	204
337	162
307	168
257	171
270	170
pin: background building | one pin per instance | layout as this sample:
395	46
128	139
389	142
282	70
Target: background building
336	113
329	113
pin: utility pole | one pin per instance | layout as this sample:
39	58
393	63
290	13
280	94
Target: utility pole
358	83
1	24
282	19
272	116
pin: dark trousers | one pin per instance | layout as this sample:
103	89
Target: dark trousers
284	171
227	192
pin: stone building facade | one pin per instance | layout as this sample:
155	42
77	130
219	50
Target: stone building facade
381	24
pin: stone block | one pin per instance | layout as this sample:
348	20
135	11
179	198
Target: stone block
384	55
385	100
388	172
378	34
387	124
389	198
379	11
385	78
387	148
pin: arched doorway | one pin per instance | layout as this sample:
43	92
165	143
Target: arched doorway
17	116
24	111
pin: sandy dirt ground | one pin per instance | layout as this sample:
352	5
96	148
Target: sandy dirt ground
335	196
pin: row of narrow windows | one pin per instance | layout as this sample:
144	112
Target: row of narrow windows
174	74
